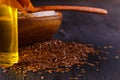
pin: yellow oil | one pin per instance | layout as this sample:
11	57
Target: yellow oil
8	36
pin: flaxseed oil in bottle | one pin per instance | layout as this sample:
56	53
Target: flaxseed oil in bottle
8	36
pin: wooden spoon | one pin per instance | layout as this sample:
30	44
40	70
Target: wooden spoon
26	5
75	8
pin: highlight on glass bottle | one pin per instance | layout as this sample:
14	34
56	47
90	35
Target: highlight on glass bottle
8	36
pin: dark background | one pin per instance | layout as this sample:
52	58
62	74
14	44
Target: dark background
100	30
88	27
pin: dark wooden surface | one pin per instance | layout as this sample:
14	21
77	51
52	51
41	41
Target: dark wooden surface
100	30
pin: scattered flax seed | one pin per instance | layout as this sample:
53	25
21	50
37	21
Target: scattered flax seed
83	71
105	47
42	77
34	70
67	69
4	70
104	58
78	67
40	72
62	70
53	54
91	64
80	75
97	69
110	46
116	57
97	63
73	78
49	71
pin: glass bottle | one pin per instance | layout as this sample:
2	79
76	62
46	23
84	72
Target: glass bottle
8	35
